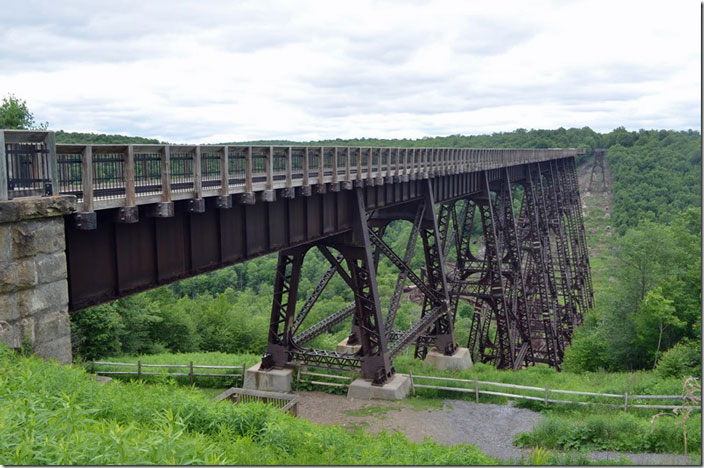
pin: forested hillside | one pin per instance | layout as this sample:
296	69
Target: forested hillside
648	308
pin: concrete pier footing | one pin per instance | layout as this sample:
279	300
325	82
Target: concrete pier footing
396	388
461	360
270	380
343	347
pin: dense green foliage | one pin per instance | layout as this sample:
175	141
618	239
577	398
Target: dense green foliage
100	138
62	416
15	114
615	430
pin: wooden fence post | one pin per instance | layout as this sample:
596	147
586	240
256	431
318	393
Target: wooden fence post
190	372
243	372
547	393
476	390
625	403
413	389
139	370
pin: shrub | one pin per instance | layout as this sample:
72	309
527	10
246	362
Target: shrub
683	359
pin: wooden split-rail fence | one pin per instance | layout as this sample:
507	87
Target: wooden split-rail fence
474	386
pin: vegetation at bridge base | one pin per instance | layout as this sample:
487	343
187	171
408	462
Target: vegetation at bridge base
60	415
615	430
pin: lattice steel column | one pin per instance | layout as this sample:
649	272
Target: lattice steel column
376	362
283	309
443	327
556	207
494	293
516	285
582	240
568	196
538	289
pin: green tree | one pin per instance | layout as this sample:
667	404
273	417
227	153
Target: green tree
656	315
644	256
15	114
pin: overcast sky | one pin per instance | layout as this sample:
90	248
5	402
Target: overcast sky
214	71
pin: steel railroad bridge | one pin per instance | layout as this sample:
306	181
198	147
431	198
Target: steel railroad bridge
148	215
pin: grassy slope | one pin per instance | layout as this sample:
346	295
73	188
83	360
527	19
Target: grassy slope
60	415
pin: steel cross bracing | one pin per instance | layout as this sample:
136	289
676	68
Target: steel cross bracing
529	287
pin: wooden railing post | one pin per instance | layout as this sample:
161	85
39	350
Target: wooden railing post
166	174
130	193
289	192
139	370
370	166
87	178
225	172
625	403
476	390
268	194
321	169
197	174
306	182
4	176
248	181
388	163
50	143
380	168
335	184
190	372
358	156
348	168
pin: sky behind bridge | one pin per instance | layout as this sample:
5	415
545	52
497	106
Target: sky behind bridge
221	71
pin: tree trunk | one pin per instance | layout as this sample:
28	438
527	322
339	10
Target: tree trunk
657	351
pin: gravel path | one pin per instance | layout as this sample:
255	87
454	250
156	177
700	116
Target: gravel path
491	427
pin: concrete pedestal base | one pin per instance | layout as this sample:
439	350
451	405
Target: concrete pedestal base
343	347
461	360
271	380
395	388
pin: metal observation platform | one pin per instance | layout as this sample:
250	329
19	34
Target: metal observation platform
148	215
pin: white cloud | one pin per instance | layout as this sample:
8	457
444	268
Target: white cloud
221	71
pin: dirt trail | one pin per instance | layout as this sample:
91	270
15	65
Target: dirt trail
491	427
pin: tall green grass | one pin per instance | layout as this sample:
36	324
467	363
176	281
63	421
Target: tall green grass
60	415
619	431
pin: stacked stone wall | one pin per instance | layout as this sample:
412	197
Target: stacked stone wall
33	276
